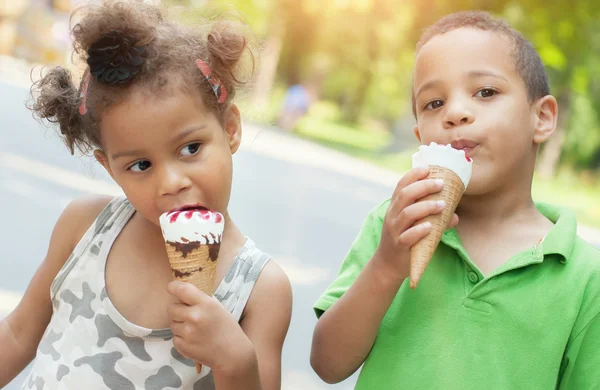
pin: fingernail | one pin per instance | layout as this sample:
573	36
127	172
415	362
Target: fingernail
426	225
440	203
439	182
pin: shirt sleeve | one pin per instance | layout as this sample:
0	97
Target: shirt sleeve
360	253
582	359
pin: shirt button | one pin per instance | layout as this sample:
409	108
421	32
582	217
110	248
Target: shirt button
473	277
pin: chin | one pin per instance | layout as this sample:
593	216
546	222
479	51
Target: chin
477	187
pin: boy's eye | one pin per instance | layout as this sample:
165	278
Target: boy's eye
434	104
190	149
486	92
140	166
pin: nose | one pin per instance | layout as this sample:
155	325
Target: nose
172	180
457	114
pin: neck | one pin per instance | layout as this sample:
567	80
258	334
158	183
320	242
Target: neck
511	201
231	232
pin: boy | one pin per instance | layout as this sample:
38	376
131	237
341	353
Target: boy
511	297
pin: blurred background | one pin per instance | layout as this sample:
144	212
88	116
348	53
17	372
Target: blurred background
337	72
328	129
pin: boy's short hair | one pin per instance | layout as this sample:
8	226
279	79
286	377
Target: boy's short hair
526	59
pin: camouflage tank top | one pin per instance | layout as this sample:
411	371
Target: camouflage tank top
89	344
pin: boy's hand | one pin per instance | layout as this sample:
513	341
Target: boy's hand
205	331
399	233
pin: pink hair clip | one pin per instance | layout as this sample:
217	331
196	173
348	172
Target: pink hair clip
215	83
83	93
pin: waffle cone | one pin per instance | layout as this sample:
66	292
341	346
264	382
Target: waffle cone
195	267
422	251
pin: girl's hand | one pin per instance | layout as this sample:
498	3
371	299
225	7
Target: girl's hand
206	332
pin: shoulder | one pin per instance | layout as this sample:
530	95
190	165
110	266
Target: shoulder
272	291
273	278
583	264
273	283
585	255
78	216
33	313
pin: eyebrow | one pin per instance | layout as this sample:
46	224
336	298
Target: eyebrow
472	74
178	137
486	73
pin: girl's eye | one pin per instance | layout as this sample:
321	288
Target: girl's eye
434	104
140	166
190	149
486	92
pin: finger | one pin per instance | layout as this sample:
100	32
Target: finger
414	234
177	311
414	192
186	292
411	176
178	328
453	221
181	346
417	211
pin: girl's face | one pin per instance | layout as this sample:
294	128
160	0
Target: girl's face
169	152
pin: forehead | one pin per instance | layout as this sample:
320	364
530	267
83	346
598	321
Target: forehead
460	51
147	117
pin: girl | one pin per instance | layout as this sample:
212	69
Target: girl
102	311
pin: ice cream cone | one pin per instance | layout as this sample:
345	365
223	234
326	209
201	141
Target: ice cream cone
423	250
197	267
193	241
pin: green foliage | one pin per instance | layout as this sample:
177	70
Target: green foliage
363	52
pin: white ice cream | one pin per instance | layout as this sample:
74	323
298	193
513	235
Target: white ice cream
444	156
205	227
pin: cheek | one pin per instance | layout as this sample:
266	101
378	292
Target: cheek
430	131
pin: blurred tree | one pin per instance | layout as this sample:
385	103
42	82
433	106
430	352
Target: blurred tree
364	50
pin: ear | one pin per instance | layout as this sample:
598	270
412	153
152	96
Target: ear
546	116
417	132
232	123
103	160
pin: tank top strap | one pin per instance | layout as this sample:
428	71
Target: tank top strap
112	218
236	287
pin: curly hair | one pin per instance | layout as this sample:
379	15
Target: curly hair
526	59
170	50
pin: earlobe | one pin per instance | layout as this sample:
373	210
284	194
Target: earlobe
417	133
233	127
546	119
103	160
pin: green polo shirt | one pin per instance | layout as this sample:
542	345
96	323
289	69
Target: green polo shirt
532	324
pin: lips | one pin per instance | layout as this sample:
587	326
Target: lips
464	144
190	207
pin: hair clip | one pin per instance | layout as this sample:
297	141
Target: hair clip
215	83
83	93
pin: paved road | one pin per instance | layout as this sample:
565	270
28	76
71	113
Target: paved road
306	217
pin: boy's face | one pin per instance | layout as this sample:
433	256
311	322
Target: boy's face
468	94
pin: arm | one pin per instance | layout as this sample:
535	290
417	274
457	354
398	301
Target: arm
22	330
582	359
266	323
345	333
246	356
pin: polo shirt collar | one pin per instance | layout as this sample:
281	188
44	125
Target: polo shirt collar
560	240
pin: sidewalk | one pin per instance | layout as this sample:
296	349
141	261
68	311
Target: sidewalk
272	143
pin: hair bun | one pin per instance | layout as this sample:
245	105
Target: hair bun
114	58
